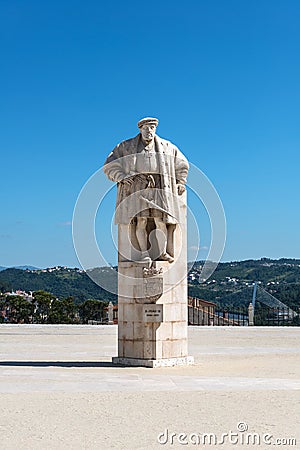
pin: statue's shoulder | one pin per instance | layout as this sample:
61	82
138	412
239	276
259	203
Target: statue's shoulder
167	145
129	143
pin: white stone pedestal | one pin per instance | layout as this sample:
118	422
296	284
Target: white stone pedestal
152	304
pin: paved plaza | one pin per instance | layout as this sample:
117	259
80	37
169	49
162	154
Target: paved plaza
59	389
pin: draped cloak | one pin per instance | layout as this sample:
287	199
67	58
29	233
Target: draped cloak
173	167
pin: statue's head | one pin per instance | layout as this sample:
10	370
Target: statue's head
147	128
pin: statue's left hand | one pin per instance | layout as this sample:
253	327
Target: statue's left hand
151	182
180	189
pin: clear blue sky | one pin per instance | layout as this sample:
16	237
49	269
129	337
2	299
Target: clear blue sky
222	76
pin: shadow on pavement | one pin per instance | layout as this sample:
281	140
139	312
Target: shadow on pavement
59	364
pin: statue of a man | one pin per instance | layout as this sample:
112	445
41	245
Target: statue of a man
151	173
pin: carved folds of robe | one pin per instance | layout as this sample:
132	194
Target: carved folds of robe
154	196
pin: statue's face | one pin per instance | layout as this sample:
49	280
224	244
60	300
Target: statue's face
148	131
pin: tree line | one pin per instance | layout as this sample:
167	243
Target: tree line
44	308
62	283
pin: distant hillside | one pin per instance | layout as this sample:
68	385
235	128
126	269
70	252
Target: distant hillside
19	267
232	282
264	270
62	282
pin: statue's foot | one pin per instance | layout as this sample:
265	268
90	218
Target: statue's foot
145	257
166	257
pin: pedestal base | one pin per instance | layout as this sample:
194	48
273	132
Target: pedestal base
154	363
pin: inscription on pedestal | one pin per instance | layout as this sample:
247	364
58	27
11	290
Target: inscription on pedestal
153	313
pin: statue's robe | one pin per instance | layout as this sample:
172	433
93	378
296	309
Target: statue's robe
172	167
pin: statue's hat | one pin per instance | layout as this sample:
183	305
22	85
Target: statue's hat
150	120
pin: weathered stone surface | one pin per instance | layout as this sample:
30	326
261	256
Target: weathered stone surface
154	363
160	337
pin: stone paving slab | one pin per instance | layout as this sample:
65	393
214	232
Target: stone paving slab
59	389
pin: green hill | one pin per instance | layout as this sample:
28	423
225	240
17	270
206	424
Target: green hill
62	282
231	283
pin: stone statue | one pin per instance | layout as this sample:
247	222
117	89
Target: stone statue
151	173
110	313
